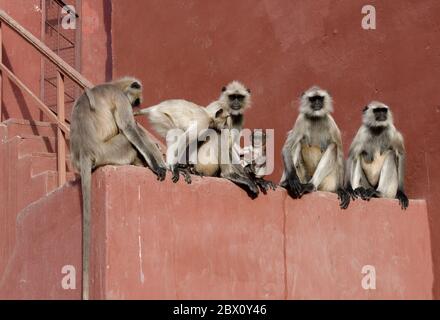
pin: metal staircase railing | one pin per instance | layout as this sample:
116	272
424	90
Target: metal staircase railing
63	70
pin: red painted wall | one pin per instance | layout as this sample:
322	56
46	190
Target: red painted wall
280	48
201	246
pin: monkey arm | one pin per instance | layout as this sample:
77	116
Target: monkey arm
403	199
125	121
401	171
290	153
399	148
336	137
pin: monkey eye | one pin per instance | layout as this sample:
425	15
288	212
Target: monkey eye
316	98
238	97
380	110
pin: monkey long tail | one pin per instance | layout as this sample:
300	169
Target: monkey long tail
86	180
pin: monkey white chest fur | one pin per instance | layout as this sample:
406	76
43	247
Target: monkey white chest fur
314	143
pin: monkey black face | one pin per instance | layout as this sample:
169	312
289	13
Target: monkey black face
236	101
381	114
136	103
316	102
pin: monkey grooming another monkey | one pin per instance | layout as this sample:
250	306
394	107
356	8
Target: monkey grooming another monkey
187	116
312	153
103	132
376	161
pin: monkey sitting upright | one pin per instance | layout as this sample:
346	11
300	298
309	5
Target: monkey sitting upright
312	153
236	99
376	161
103	132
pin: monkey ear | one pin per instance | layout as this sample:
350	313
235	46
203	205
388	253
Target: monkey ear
218	113
365	109
248	90
135	85
223	89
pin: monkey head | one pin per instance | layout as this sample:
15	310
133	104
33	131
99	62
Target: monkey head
377	115
132	88
259	139
220	118
316	103
236	97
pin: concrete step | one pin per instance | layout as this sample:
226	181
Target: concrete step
38	186
19	127
39	162
32	144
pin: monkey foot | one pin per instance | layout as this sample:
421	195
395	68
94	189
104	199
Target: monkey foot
366	194
294	187
344	198
351	193
403	199
265	185
180	170
161	173
307	188
245	183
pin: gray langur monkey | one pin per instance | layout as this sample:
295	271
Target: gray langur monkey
312	154
103	132
376	161
187	116
236	99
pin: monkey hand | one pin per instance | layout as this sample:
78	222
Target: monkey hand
307	188
344	198
265	185
403	199
245	183
178	170
353	195
294	187
160	173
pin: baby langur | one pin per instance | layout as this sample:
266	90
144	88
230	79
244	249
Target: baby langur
254	160
103	132
312	153
376	161
189	117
